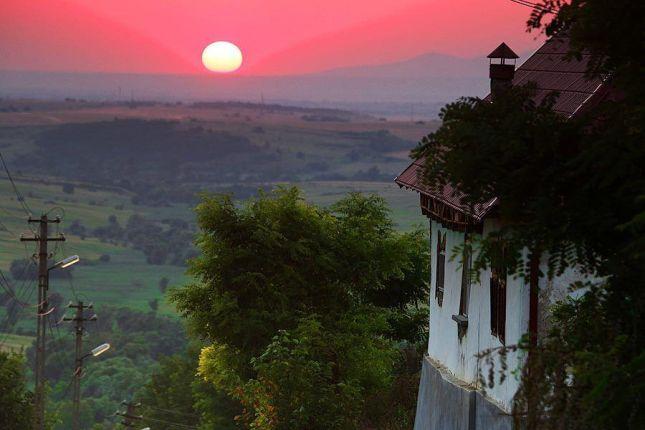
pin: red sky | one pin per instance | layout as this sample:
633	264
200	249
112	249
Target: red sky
276	36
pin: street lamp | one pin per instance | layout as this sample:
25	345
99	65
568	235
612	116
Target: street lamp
65	262
77	381
98	350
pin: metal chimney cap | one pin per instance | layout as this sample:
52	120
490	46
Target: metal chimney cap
503	51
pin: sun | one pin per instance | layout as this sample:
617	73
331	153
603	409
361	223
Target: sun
222	57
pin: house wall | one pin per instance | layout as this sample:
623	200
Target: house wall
459	355
450	392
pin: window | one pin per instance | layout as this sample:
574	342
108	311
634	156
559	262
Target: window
465	279
462	317
441	266
498	297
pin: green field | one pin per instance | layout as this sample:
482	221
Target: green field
127	279
14	343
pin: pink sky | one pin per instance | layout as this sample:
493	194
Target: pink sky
276	36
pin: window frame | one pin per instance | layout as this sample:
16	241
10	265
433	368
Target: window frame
498	285
440	275
464	299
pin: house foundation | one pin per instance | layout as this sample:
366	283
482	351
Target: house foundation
445	403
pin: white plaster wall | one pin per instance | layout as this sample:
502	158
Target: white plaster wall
460	356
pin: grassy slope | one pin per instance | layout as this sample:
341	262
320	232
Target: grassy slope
126	280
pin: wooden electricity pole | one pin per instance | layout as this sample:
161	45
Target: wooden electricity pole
79	319
43	284
129	416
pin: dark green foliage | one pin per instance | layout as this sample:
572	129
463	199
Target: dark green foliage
129	148
111	232
174	393
314	377
77	228
296	299
138	340
166	241
15	399
379	141
572	190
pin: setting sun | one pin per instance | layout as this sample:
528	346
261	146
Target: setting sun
222	57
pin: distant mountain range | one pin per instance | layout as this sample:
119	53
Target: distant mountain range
430	65
422	83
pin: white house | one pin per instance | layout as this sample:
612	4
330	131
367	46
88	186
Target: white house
468	316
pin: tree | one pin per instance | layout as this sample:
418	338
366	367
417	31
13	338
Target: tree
23	269
313	377
175	393
163	284
15	400
138	341
286	293
572	190
154	304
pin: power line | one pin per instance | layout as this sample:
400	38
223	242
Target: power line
63	248
182	426
26	291
5	228
173	412
26	280
8	331
10	290
16	313
533	5
56	344
19	196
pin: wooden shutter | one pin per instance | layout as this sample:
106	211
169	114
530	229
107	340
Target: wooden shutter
498	299
465	280
501	309
441	266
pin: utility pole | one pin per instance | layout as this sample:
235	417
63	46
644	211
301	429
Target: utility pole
79	319
43	284
129	416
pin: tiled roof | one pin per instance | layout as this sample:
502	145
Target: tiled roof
551	70
412	178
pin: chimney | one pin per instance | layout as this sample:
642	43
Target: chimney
501	74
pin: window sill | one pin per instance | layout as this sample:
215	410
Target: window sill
461	320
